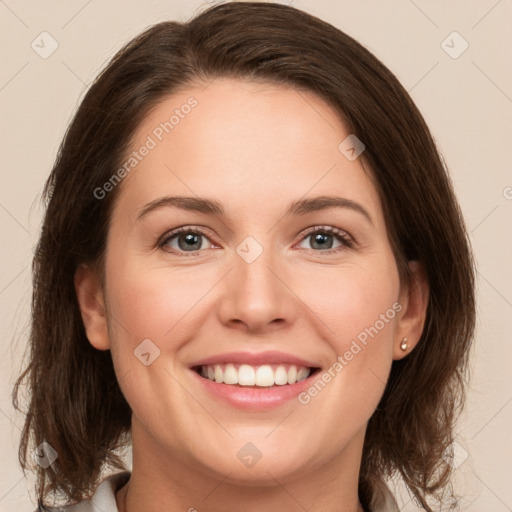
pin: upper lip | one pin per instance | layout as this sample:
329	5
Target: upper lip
256	358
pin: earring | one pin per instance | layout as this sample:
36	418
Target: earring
404	344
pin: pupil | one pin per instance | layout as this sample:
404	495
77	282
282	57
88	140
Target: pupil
320	238
190	241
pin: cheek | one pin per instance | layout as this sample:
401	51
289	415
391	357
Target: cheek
149	312
151	302
146	312
159	304
357	309
353	302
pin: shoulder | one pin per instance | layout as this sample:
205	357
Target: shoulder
383	500
104	497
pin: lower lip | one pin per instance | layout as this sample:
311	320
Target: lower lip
254	398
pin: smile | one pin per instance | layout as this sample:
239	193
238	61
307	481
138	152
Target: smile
254	381
265	375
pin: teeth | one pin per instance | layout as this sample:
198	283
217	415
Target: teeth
218	374
292	375
281	377
265	375
246	375
302	374
230	374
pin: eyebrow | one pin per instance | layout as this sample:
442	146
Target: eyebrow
299	207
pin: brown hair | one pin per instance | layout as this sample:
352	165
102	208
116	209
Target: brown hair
75	402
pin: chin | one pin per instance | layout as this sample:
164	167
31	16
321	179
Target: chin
248	465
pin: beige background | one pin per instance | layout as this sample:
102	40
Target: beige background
467	101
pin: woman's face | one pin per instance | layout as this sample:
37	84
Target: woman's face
266	284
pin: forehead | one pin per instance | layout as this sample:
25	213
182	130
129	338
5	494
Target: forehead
247	142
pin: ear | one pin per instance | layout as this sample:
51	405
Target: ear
414	301
90	297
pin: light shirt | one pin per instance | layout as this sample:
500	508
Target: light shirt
104	498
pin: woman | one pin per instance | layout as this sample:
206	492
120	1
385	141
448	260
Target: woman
183	302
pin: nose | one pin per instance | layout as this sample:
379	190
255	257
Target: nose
256	297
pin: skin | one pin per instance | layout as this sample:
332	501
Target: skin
254	148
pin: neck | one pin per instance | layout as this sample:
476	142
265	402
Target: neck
166	483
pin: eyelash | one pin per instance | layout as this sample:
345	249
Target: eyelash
342	237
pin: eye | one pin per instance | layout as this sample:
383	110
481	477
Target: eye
192	239
322	239
185	239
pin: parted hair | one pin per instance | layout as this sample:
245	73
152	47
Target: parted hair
73	400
